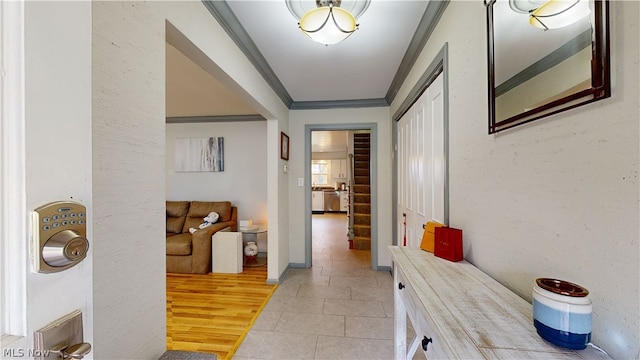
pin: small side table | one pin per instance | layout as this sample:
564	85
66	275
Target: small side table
259	236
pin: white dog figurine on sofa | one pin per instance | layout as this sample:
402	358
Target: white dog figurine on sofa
208	220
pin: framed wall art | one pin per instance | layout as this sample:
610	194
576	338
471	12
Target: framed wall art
199	154
284	146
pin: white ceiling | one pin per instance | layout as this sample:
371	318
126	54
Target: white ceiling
366	68
360	67
191	91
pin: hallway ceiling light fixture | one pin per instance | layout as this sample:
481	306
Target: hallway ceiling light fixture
551	14
327	21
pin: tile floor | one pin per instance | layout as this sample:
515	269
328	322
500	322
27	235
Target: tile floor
337	309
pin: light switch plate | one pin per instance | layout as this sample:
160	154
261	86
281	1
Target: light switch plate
67	328
300	181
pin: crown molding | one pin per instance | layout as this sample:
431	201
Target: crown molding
430	19
213	119
571	48
227	19
229	22
333	104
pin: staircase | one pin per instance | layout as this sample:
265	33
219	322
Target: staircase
362	192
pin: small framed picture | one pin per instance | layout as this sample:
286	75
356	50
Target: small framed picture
284	146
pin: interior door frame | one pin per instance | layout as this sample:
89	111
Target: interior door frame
13	205
373	159
439	64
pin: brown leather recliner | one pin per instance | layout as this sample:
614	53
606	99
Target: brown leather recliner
187	253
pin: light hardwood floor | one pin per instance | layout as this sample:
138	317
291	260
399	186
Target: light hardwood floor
211	313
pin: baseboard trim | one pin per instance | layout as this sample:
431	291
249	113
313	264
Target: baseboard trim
280	279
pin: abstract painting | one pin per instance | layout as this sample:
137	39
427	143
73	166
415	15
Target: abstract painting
199	154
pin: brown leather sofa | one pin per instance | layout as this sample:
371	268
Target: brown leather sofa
187	253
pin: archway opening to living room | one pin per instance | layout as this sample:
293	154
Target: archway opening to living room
201	106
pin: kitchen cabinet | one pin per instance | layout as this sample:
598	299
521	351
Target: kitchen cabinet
344	201
339	169
317	201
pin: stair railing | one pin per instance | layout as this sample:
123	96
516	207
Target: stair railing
351	197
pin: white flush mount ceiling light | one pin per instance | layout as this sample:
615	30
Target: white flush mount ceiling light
551	14
327	21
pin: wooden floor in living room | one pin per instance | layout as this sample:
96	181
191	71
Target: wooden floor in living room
212	313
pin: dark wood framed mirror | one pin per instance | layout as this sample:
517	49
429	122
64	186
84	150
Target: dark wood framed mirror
536	72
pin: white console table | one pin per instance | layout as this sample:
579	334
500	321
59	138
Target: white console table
459	312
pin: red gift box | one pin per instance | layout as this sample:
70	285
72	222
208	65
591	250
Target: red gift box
448	243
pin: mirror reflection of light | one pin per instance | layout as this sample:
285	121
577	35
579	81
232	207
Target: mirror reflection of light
555	14
525	6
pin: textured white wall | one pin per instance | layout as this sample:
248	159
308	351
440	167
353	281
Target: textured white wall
278	201
244	179
555	198
128	173
129	164
298	120
58	147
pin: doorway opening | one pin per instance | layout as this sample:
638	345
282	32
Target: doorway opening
342	181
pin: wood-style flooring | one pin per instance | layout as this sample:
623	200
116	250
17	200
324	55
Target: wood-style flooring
213	312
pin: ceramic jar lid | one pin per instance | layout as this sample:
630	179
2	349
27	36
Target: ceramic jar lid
562	287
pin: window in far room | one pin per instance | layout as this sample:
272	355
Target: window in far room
319	172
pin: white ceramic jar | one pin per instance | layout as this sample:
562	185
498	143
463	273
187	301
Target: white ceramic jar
251	250
562	313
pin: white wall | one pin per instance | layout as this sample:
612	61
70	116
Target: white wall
278	202
128	172
58	150
555	198
243	181
301	118
129	164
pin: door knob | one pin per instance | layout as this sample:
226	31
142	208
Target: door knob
425	342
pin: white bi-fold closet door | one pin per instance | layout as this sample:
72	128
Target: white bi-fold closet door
421	174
